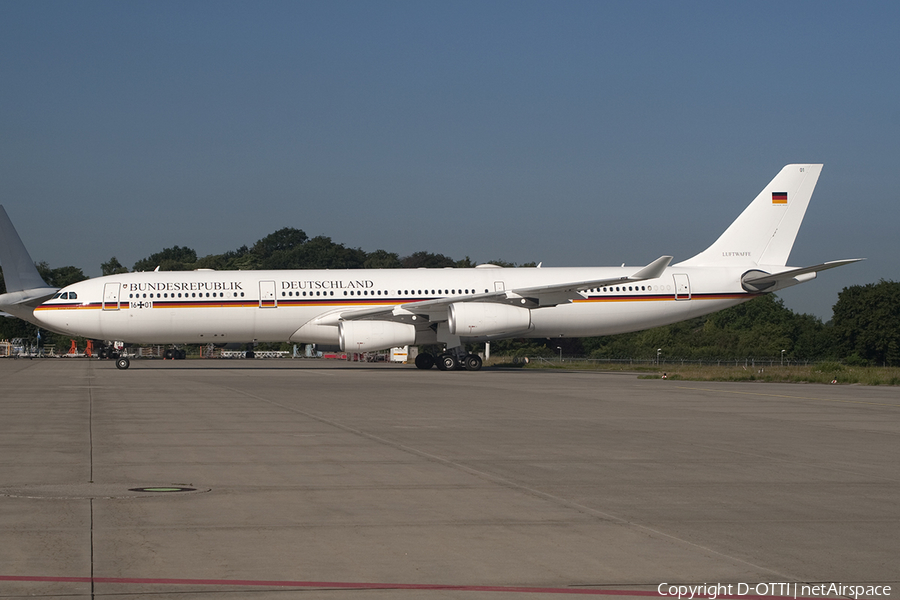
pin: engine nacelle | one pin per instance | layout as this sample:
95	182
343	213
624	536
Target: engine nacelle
475	319
365	336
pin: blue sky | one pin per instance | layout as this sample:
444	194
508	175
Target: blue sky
572	133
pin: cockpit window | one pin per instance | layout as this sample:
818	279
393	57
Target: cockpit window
56	295
73	296
64	296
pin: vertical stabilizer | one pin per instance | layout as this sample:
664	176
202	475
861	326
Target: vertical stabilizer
765	232
24	287
19	272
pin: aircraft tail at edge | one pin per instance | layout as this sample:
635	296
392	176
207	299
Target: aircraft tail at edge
765	232
25	288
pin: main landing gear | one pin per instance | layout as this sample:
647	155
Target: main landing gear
174	354
449	361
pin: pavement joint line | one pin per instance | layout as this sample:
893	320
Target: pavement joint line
512	485
809	465
347	585
696	389
91	479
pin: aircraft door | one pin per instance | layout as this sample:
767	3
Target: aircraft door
267	298
111	296
682	286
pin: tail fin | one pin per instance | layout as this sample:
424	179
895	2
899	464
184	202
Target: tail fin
765	232
25	288
19	272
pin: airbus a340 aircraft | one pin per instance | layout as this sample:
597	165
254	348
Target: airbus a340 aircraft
374	309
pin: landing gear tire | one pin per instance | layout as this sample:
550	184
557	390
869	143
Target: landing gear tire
181	354
447	362
473	362
424	360
122	363
169	354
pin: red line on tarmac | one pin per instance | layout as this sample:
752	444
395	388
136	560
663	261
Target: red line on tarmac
370	586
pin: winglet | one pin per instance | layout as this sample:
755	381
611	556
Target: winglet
653	270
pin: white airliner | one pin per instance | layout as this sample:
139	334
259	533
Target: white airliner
373	309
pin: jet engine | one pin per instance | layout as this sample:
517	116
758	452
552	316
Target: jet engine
475	319
365	336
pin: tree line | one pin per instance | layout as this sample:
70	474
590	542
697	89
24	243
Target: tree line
864	328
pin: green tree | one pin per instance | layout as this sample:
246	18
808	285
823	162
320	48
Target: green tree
176	258
866	322
60	277
760	328
273	250
113	267
241	259
428	260
382	259
321	253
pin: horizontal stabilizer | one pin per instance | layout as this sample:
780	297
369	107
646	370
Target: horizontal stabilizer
758	281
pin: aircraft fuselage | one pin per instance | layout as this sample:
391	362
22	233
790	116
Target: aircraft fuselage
277	306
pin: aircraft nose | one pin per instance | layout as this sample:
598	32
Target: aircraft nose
49	316
58	317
